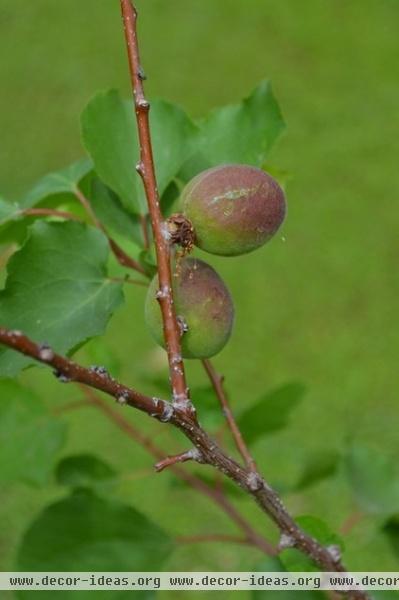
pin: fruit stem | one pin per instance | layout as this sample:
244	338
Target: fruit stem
217	383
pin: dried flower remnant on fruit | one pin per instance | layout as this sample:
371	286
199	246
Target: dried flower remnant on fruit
181	232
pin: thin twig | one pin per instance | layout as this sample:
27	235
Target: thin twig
146	169
87	206
67	371
217	383
124	259
192	480
215	537
174	459
352	521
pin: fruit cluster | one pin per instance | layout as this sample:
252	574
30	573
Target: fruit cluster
233	209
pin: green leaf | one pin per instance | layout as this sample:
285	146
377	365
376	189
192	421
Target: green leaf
30	438
112	214
55	190
8	210
57	289
319	467
318	529
374	479
275	565
208	406
391	530
83	470
87	533
245	132
148	261
110	136
60	182
271	412
175	138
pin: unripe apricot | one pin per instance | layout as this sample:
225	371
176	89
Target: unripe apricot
203	307
234	209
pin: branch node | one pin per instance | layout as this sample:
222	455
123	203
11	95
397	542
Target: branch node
99	370
62	377
123	398
162	292
143	104
335	552
254	482
46	353
167	412
183	325
141	74
286	541
169	461
140	168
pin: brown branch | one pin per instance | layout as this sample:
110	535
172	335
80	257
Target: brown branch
67	371
352	521
146	169
216	537
195	482
217	383
124	259
252	483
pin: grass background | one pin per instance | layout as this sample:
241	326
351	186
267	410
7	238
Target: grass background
319	304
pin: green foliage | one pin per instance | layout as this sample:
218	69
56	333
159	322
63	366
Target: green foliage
61	182
374	480
84	532
30	437
319	467
244	132
271	412
110	136
391	529
7	210
112	214
83	470
318	529
57	289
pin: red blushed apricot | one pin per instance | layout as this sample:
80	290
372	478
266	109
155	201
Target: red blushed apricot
234	209
203	304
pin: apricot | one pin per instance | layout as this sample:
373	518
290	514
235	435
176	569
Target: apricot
234	209
204	309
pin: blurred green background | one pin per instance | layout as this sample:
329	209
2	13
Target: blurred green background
319	304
